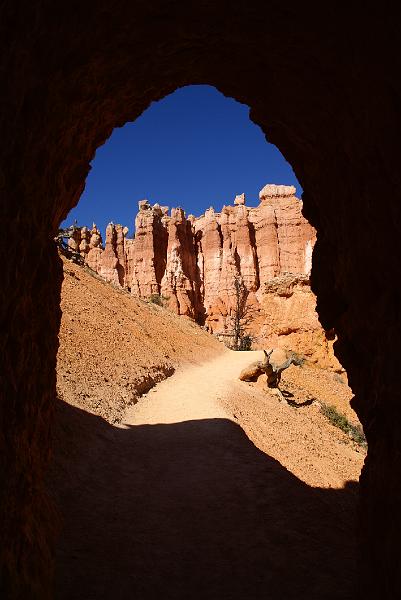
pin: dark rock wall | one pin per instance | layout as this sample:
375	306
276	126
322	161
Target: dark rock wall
322	83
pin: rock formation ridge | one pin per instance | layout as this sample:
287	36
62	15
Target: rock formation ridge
192	262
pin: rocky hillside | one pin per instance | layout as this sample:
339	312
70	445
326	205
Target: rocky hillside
113	347
193	263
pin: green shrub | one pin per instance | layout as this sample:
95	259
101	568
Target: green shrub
355	432
157	299
245	343
337	377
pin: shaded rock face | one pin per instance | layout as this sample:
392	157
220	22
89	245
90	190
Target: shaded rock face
310	90
193	264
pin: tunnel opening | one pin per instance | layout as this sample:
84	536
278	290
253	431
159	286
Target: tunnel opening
193	150
266	248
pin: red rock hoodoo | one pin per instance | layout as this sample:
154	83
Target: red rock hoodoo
193	263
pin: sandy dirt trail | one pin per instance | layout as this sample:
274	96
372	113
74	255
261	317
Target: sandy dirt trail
177	502
192	393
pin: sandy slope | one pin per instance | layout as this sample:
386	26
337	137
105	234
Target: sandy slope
209	487
114	346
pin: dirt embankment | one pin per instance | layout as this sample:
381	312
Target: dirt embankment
295	432
114	347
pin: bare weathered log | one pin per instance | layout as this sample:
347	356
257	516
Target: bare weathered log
257	368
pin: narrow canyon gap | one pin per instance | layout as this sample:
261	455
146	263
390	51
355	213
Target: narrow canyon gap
323	88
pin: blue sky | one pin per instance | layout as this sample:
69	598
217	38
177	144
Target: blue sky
194	149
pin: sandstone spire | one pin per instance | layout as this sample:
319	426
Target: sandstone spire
193	262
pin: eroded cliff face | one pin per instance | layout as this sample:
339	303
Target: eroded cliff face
193	263
289	320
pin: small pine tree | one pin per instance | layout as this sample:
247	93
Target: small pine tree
241	316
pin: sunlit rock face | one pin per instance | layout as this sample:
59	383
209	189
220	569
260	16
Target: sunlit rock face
290	321
94	249
193	264
113	260
180	284
146	253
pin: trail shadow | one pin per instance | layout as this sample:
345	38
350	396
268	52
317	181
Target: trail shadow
191	510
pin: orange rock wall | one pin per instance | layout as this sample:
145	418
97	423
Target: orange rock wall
193	262
289	320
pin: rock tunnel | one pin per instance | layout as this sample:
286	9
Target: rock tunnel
321	85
